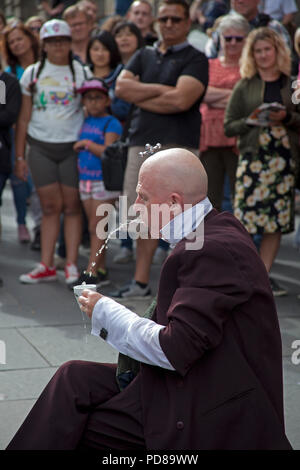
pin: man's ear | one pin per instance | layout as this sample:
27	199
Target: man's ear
176	203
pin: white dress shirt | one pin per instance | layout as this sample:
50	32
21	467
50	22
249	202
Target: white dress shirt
130	334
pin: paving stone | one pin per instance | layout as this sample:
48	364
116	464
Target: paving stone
12	415
64	343
24	384
20	354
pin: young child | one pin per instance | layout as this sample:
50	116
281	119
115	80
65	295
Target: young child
98	131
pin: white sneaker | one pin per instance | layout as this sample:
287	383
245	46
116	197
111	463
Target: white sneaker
160	255
123	256
71	273
132	291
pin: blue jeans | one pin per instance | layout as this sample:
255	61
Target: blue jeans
21	189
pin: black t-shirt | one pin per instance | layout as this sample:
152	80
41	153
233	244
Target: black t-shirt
10	104
66	3
182	129
272	91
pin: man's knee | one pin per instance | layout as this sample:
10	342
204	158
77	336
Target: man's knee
71	369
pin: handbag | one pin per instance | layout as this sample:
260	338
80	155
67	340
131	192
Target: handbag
114	160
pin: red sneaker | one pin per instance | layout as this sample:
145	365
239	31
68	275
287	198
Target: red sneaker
39	274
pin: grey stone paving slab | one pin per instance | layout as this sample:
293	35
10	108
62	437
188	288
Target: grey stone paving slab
292	414
290	331
24	384
12	415
289	306
20	354
64	343
291	374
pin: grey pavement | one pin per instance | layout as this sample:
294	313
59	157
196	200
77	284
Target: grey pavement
41	326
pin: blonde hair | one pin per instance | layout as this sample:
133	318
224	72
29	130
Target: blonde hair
74	10
297	41
248	66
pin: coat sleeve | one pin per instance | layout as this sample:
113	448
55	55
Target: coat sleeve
235	118
10	110
212	287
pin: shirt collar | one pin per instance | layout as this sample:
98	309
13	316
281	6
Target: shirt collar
175	48
186	222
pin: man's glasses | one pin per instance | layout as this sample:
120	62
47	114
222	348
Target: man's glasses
173	19
237	38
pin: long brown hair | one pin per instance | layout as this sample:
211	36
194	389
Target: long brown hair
11	59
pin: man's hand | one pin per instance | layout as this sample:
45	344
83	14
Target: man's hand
88	300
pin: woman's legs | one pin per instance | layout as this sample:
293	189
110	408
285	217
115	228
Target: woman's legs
52	203
269	247
72	222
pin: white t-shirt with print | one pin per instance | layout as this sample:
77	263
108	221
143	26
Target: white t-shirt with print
57	114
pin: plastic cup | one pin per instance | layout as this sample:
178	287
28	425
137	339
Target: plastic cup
81	287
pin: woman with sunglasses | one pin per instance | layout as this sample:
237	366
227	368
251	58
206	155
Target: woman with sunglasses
218	152
21	49
50	118
268	143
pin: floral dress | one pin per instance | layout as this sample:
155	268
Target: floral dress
265	185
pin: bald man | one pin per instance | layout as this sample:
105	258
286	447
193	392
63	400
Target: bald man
210	370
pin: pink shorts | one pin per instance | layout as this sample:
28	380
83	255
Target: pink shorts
90	189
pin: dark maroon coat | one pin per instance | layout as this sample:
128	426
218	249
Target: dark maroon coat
222	337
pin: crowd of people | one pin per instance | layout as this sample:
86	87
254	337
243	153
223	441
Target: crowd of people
74	82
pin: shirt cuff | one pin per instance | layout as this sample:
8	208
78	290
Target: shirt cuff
134	336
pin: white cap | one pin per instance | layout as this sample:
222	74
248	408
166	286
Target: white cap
55	28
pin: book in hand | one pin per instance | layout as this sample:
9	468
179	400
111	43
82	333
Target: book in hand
260	116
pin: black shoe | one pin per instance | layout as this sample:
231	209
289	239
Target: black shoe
84	277
277	290
36	243
100	280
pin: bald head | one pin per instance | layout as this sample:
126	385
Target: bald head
176	171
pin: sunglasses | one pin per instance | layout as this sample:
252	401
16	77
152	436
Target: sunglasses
237	38
173	19
35	28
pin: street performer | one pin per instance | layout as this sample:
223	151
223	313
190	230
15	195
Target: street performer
210	356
